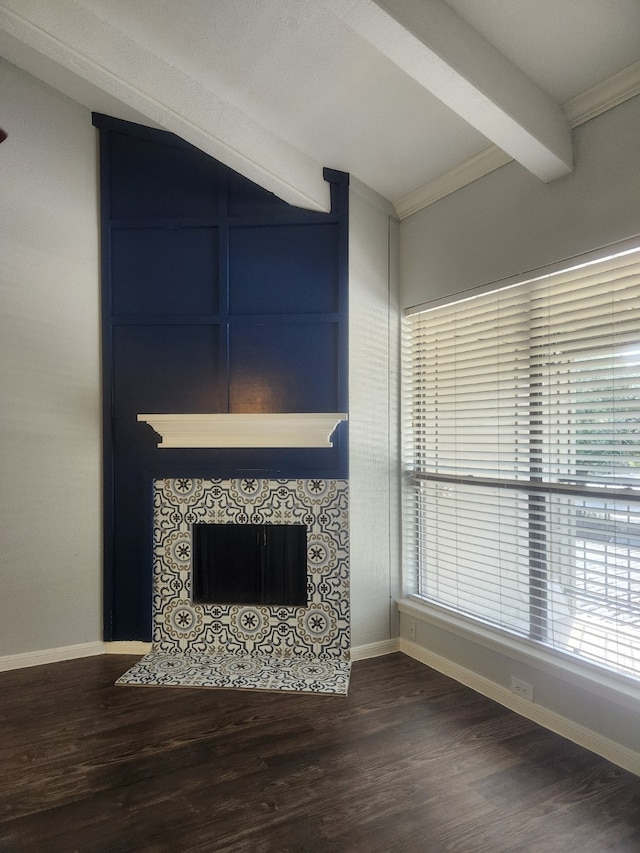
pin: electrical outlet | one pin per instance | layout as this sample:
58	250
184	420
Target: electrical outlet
522	689
411	630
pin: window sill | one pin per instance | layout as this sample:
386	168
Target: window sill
624	691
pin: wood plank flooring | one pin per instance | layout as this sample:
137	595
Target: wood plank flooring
409	761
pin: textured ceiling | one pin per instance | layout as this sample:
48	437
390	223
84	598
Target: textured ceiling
397	92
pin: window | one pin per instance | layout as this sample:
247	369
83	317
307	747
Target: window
523	449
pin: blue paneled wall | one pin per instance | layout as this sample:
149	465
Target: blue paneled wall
217	297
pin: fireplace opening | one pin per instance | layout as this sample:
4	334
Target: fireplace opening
250	564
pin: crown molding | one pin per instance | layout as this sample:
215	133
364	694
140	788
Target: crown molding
604	96
478	166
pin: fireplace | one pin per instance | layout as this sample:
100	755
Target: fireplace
301	643
249	564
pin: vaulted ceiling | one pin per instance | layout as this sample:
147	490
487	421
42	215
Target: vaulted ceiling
414	98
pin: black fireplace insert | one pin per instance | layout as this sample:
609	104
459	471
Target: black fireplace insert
250	564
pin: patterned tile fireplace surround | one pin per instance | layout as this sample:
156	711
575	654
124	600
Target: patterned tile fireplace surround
249	646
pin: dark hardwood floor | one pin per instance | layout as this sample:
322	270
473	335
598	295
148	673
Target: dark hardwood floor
409	761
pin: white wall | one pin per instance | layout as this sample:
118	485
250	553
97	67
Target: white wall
373	417
503	224
510	222
50	512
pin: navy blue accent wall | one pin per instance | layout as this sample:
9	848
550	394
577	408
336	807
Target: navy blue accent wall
217	297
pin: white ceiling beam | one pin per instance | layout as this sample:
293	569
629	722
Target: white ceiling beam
84	54
434	46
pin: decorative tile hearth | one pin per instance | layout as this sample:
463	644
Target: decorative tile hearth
242	672
249	646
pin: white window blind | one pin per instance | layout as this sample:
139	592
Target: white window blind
523	427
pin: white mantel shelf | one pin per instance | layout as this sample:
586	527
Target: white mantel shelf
245	430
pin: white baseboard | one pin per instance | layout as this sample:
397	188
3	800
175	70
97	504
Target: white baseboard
375	650
137	647
623	757
83	650
20	661
127	647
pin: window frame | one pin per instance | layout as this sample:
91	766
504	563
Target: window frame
569	492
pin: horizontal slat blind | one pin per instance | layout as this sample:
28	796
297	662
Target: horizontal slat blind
522	414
